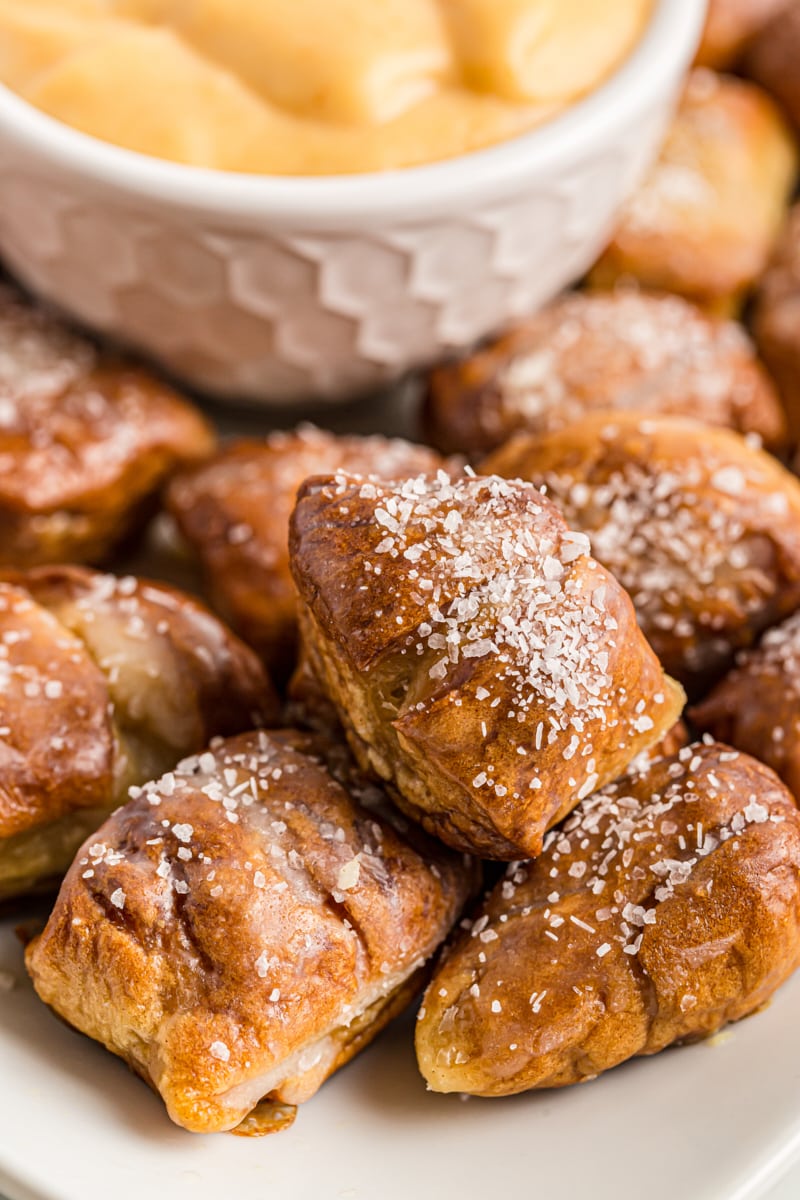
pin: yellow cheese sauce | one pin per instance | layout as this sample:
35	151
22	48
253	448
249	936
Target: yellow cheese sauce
310	87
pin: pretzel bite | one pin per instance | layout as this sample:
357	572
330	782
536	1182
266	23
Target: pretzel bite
777	320
86	440
705	219
234	512
774	56
756	707
702	528
242	927
666	906
730	27
603	350
104	683
482	663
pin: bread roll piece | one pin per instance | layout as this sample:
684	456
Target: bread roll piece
773	58
777	320
603	350
667	905
705	219
702	528
242	927
731	26
482	663
756	707
104	683
86	440
234	512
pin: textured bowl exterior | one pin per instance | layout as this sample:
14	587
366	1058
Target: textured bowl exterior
278	315
276	296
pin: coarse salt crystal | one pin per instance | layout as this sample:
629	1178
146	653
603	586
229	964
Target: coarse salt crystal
756	813
348	875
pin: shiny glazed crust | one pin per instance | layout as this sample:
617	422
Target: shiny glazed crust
756	707
482	663
777	319
234	512
705	219
595	350
701	528
105	682
242	928
667	905
85	440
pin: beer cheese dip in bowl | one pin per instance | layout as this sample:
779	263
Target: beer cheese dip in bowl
284	201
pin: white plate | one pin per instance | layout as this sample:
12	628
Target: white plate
715	1121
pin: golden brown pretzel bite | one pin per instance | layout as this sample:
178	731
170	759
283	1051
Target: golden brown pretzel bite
701	528
480	660
104	682
731	26
705	219
603	350
234	511
773	57
86	440
667	905
243	927
777	319
756	707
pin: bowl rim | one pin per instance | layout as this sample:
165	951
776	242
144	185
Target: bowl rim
664	49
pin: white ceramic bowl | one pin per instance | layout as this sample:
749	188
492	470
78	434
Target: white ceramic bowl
277	289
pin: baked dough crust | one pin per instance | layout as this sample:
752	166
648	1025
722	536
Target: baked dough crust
586	351
243	927
86	440
756	707
105	682
776	320
705	219
731	26
667	905
234	512
702	528
773	56
482	663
